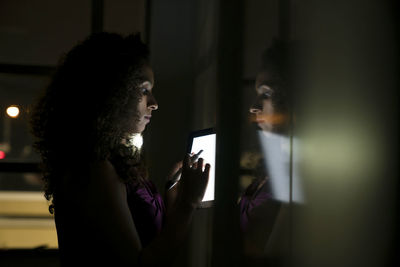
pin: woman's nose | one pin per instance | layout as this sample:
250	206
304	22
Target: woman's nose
152	103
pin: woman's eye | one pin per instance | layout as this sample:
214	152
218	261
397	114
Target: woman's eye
145	91
265	92
266	95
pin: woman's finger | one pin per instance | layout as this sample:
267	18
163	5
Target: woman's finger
194	165
186	164
207	169
199	166
206	174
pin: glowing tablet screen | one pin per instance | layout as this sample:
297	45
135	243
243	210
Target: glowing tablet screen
206	140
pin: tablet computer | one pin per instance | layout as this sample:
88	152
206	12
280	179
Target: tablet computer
282	170
205	140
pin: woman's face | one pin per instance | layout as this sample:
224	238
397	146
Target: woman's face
262	110
147	102
265	111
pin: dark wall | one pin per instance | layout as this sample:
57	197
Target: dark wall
172	42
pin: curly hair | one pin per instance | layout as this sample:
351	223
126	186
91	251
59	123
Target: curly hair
89	106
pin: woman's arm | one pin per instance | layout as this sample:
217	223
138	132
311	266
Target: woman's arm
171	193
190	191
109	214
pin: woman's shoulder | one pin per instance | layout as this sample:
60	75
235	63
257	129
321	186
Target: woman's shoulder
103	171
256	186
95	176
103	185
100	169
103	165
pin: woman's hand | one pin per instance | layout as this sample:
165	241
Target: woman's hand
193	183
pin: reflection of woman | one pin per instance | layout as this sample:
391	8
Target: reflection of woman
107	211
269	111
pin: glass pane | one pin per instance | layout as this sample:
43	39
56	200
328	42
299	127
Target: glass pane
270	184
19	91
349	134
38	32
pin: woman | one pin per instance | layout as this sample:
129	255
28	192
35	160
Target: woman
262	213
106	210
270	109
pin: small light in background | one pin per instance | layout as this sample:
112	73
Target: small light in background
13	111
2	154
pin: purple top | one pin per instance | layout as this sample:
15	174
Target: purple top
147	209
255	195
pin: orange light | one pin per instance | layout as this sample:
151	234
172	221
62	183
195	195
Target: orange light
272	118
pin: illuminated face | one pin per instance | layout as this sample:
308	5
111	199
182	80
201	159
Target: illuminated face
263	110
269	110
147	102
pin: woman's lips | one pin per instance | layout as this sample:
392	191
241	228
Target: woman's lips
260	119
270	118
147	117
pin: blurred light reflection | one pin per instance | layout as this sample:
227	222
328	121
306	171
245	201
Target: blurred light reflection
277	149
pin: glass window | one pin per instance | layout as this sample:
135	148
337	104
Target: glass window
266	156
20	91
39	32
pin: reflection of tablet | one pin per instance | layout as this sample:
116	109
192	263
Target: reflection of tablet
276	149
205	140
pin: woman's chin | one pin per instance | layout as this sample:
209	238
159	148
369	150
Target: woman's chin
138	130
265	127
